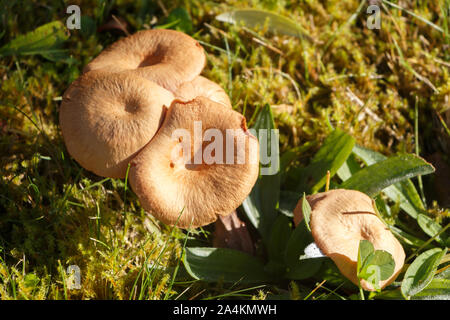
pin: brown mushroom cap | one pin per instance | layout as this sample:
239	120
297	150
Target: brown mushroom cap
106	119
339	220
166	57
197	194
201	86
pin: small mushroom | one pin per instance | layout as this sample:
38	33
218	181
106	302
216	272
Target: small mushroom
339	220
166	57
186	193
106	119
201	86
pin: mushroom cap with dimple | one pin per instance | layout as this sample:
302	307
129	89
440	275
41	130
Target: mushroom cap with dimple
179	190
107	118
339	220
166	57
201	86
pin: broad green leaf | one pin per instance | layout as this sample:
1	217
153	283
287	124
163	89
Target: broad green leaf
306	211
288	202
300	269
374	265
404	192
281	231
438	289
365	249
260	206
252	207
384	261
348	168
368	156
287	159
292	154
430	227
218	264
275	268
298	241
331	156
179	19
258	18
329	271
374	178
421	272
372	274
45	40
304	269
88	26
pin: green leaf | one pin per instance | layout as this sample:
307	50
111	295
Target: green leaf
331	156
304	269
349	168
218	264
330	272
288	158
365	249
288	202
300	269
306	211
298	241
404	193
88	26
179	19
430	227
368	156
45	40
406	238
258	18
384	261
292	154
374	265
438	289
372	274
260	206
281	231
421	272
374	178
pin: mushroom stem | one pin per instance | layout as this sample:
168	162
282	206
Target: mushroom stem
231	232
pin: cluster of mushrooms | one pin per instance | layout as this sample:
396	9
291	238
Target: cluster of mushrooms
123	111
